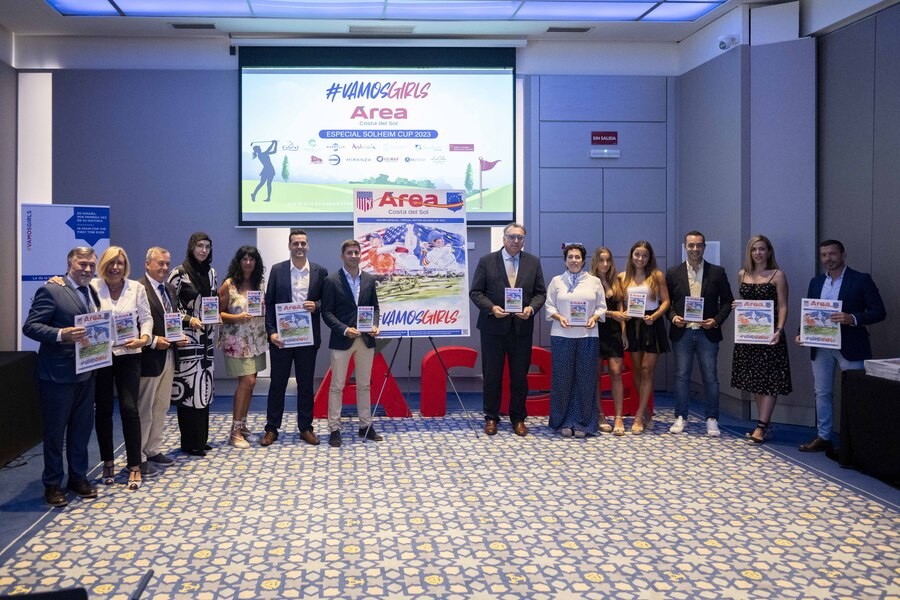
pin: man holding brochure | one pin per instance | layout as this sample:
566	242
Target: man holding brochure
67	398
861	305
158	359
350	310
295	281
506	331
701	301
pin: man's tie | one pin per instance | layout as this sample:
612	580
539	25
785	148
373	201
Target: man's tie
165	297
88	303
511	271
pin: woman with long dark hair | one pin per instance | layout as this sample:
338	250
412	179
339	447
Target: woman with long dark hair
193	385
646	335
243	337
613	342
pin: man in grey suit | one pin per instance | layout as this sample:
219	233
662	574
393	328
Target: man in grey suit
67	398
297	281
504	335
344	292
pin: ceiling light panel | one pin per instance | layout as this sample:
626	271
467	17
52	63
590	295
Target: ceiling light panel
448	10
680	11
582	11
305	9
84	8
184	8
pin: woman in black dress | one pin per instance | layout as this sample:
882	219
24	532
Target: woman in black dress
647	335
763	369
612	335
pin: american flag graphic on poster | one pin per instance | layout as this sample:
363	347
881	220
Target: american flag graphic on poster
365	201
414	242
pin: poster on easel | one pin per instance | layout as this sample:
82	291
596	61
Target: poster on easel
47	233
414	243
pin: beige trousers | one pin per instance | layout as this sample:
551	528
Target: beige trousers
363	357
154	397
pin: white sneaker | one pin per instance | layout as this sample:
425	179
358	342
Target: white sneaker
677	426
712	428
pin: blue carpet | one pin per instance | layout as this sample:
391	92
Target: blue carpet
437	510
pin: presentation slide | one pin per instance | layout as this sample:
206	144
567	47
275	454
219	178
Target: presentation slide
311	135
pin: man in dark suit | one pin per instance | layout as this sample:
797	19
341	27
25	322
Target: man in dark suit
158	361
67	398
504	335
344	292
297	281
861	306
699	279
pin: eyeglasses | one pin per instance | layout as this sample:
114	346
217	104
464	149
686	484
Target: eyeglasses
515	238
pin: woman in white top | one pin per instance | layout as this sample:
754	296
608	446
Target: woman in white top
575	302
122	296
646	336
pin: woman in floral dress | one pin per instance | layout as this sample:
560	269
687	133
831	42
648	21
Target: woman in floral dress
243	337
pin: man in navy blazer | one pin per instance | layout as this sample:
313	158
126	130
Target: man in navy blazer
504	335
861	306
344	292
296	281
67	398
697	278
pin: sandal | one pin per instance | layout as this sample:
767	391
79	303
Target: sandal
637	428
134	478
605	427
619	427
109	474
759	435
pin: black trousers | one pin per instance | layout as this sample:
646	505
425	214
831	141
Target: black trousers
194	426
125	374
495	349
303	360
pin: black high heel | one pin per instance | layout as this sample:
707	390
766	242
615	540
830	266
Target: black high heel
764	430
109	474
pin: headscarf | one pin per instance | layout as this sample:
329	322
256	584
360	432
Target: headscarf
198	272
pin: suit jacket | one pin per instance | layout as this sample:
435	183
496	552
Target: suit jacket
153	361
715	291
487	290
339	307
860	298
279	291
54	307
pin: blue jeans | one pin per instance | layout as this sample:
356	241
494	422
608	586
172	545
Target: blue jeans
823	378
694	342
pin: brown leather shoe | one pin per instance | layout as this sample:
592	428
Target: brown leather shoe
520	429
309	437
816	445
490	427
269	438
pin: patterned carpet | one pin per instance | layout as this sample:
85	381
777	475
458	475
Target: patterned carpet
435	511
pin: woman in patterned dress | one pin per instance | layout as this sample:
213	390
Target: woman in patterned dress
243	337
764	370
193	385
646	336
612	335
574	348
